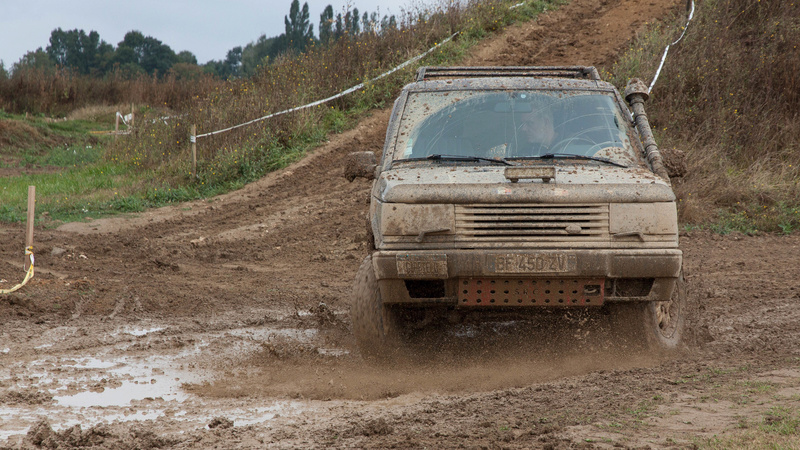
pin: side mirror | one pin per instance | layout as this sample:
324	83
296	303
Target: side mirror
360	164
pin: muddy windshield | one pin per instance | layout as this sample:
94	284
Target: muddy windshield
514	125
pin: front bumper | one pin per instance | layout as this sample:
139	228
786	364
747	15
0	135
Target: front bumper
439	277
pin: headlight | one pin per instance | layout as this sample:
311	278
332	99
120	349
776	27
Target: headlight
644	218
400	219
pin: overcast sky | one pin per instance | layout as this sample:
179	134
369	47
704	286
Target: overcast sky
207	28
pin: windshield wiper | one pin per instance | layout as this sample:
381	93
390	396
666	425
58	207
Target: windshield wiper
571	156
438	157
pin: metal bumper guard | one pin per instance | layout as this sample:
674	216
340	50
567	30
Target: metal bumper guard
525	277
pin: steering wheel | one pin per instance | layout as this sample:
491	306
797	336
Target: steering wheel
596	137
568	141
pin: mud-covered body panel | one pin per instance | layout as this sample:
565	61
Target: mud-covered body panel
470	184
392	268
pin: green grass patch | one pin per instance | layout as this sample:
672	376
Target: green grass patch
92	197
67	156
782	420
64	194
779	428
754	218
36	142
90	186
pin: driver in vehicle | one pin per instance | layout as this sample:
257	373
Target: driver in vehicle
536	134
533	137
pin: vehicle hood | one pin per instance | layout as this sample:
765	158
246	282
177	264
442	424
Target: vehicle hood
578	183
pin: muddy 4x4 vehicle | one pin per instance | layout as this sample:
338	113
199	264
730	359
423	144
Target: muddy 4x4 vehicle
520	188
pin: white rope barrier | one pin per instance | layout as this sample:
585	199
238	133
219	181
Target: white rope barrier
666	50
166	118
325	100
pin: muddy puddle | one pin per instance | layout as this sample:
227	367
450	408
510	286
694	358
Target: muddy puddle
186	374
117	377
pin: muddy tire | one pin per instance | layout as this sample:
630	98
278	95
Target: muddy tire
651	326
375	325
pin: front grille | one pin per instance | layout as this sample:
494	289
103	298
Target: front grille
531	223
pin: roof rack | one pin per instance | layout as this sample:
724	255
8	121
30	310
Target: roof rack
588	73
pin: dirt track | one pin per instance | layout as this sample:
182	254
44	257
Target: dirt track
168	328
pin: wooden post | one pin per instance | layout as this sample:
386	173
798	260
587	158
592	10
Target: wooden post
193	138
31	217
116	125
132	116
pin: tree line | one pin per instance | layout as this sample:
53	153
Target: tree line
138	54
299	35
87	54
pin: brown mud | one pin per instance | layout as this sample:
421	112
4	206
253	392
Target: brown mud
225	322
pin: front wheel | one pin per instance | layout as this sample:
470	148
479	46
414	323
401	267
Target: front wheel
655	326
375	325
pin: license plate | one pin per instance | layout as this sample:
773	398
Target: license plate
422	266
533	263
